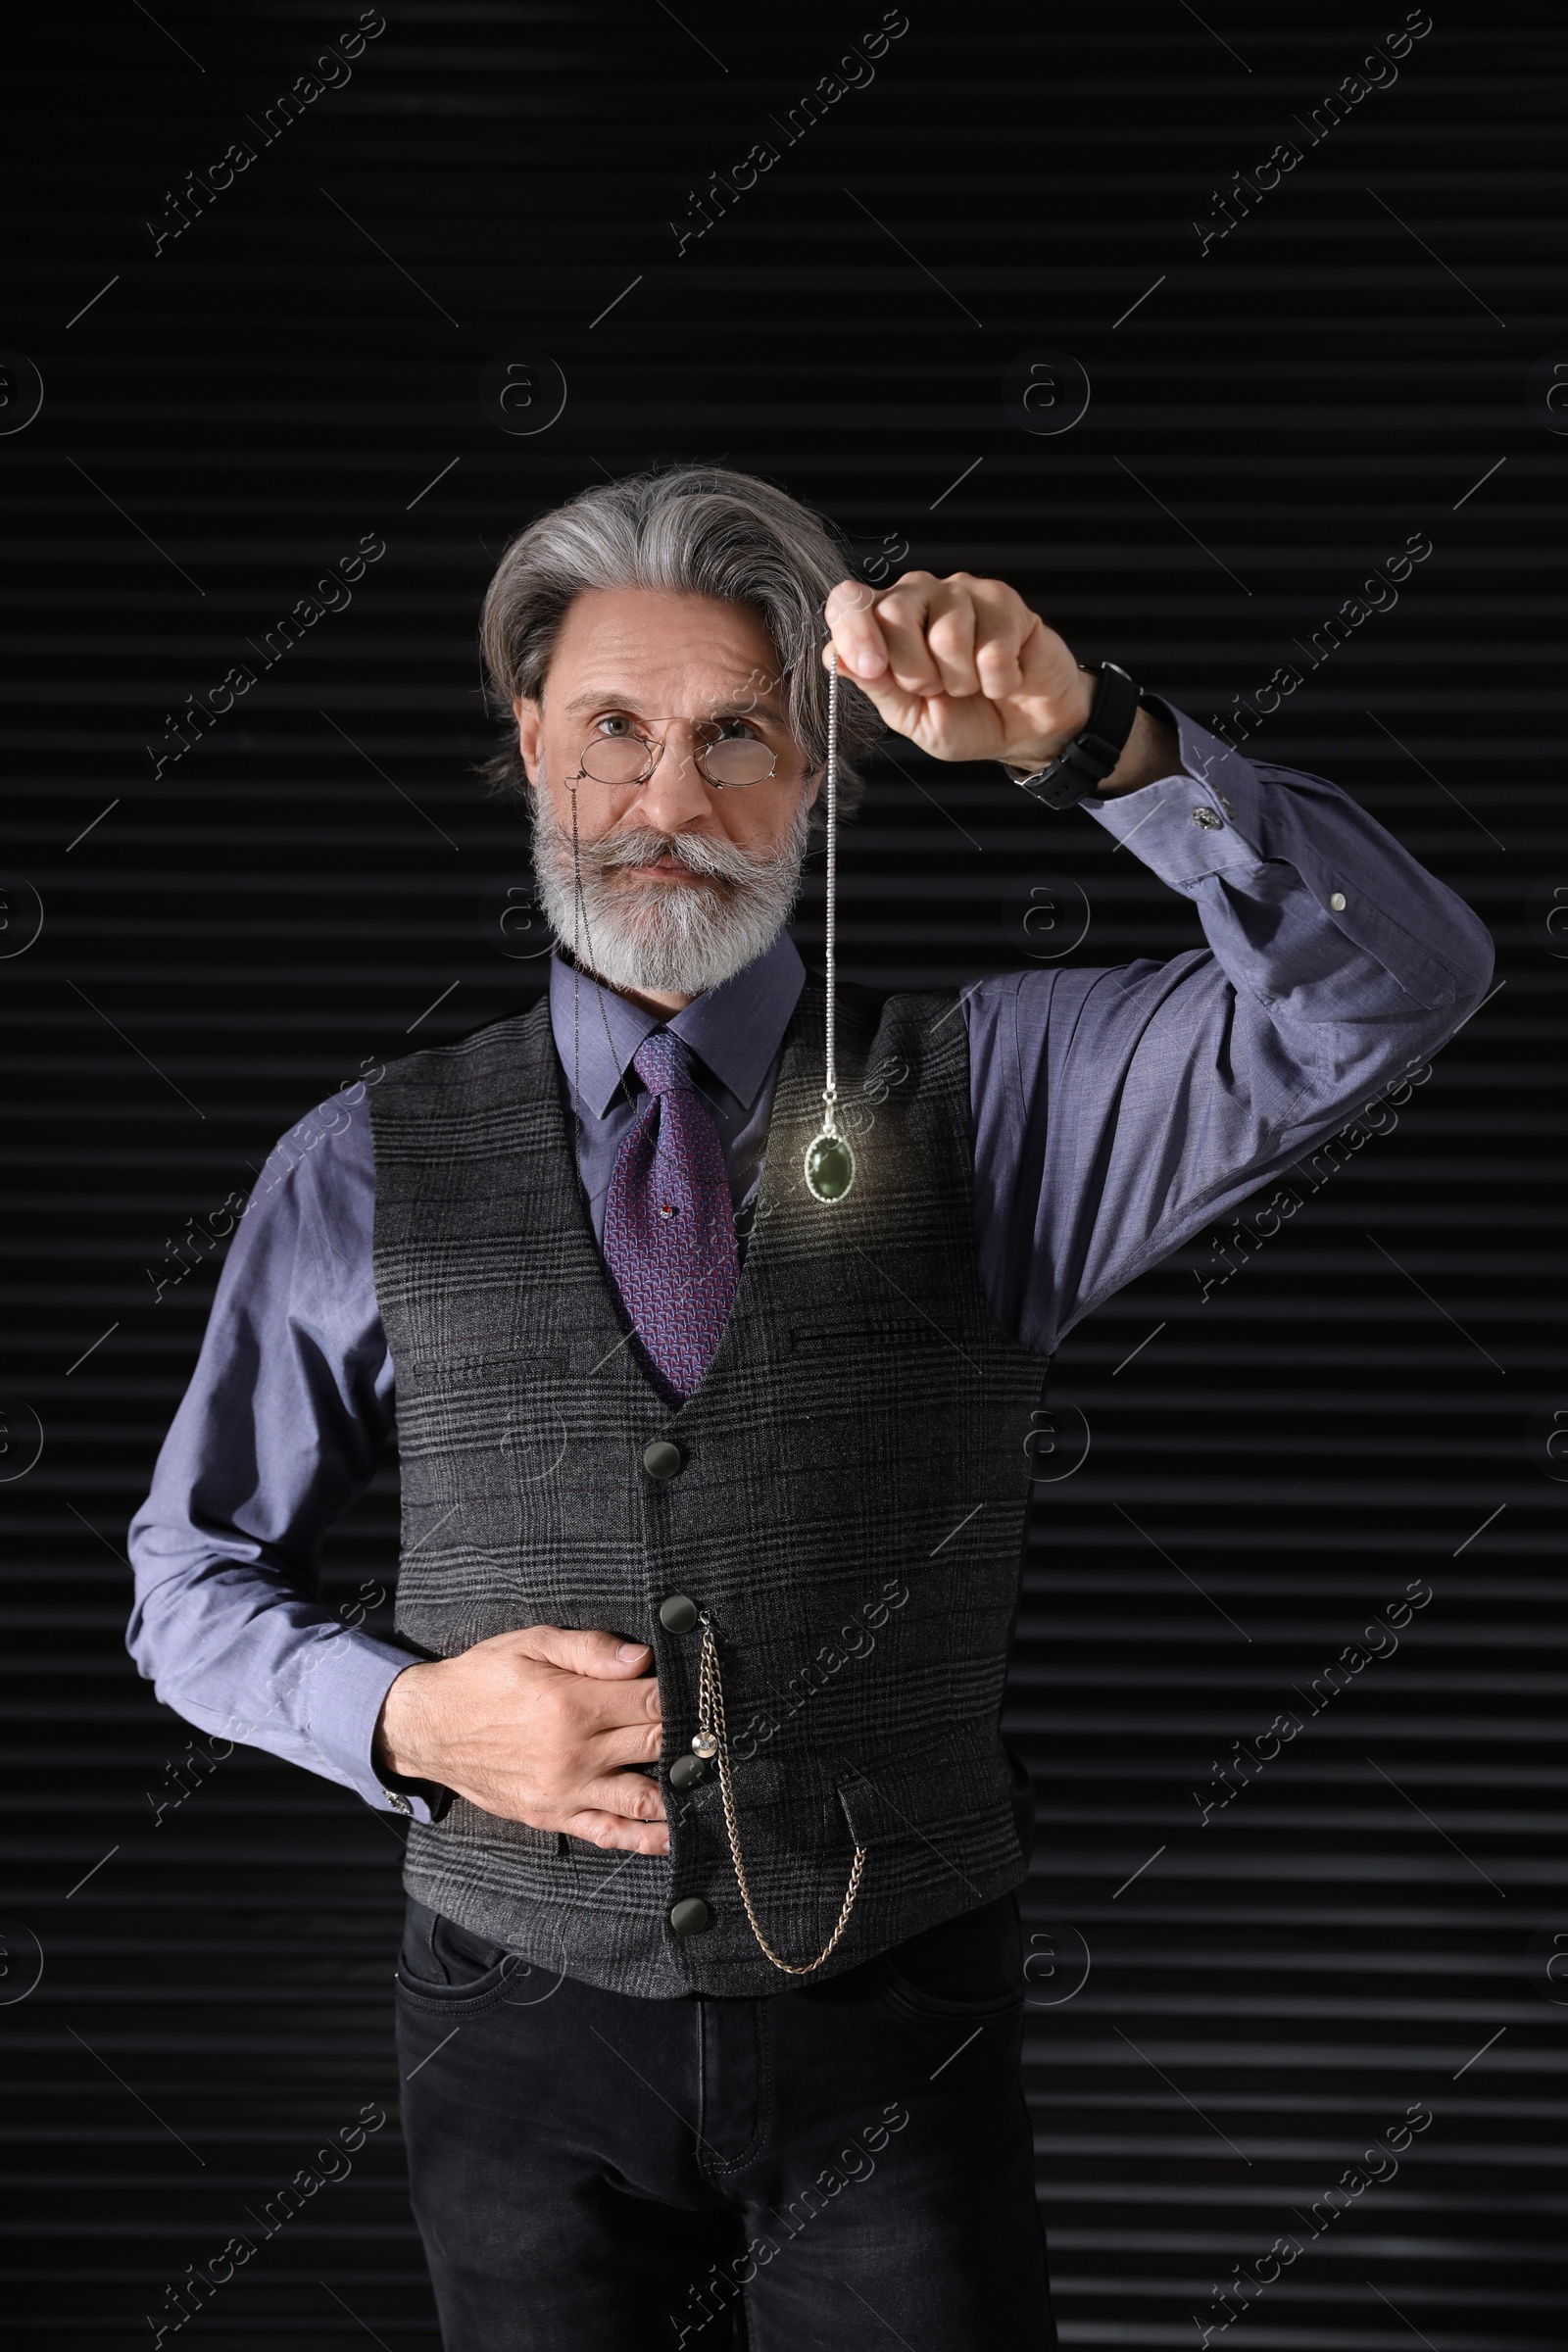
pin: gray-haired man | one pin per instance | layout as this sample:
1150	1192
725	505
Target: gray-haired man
673	1432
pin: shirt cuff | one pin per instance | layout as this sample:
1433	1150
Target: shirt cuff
1208	818
355	1674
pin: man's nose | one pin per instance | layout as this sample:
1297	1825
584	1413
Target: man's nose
675	794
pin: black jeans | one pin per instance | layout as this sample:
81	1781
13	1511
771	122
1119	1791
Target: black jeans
834	2166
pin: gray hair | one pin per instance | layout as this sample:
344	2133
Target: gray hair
692	530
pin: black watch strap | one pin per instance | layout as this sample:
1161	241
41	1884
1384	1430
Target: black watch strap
1092	754
398	1788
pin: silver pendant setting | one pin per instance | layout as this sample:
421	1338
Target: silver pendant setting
829	1166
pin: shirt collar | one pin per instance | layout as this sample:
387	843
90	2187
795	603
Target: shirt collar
736	1029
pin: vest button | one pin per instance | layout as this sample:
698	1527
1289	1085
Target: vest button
663	1460
677	1614
691	1917
686	1772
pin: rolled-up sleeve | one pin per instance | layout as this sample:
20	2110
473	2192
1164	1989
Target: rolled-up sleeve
1117	1111
281	1427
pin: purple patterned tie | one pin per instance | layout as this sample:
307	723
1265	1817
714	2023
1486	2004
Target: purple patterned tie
670	1229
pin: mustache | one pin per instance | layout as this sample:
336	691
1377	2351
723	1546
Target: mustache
644	844
641	935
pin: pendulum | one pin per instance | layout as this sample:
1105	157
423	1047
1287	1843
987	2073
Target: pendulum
829	1160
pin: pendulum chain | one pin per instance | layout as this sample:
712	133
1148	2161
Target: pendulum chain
711	1741
830	1094
830	1156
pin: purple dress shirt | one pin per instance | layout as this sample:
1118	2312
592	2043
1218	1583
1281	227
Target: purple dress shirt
1115	1113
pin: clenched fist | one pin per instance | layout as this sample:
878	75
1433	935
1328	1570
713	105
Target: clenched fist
965	669
542	1726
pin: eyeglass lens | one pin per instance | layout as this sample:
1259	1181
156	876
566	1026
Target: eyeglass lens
627	759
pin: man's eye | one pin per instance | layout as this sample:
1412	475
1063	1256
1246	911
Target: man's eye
615	726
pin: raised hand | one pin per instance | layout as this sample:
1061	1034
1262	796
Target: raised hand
965	669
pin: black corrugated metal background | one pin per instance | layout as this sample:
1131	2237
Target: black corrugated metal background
1363	1403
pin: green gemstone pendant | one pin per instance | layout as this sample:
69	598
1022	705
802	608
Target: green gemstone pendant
829	1166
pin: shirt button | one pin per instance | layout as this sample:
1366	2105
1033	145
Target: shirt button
691	1916
1338	901
686	1772
663	1460
677	1614
1209	818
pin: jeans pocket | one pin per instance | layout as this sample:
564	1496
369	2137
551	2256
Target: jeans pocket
967	1967
913	1999
443	1966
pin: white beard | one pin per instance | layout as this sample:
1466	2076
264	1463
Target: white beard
673	935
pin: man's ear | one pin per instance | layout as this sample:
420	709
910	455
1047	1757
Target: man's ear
814	792
531	718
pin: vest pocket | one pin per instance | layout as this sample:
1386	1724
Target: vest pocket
868	1333
488	1424
964	1775
468	1371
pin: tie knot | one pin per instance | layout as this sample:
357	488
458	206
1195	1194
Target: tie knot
662	1064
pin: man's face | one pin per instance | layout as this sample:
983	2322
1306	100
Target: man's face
672	884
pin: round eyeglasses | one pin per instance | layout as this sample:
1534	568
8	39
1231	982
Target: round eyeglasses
721	759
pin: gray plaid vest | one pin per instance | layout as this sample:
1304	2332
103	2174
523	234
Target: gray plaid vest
850	1512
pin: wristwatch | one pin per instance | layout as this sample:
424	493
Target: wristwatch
1080	765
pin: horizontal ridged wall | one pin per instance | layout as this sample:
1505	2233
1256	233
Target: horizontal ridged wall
1289	1428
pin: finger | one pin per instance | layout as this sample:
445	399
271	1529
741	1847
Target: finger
902	615
611	1656
949	635
587	1708
633	1795
850	613
617	1834
625	1796
625	1743
1003	623
900	712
